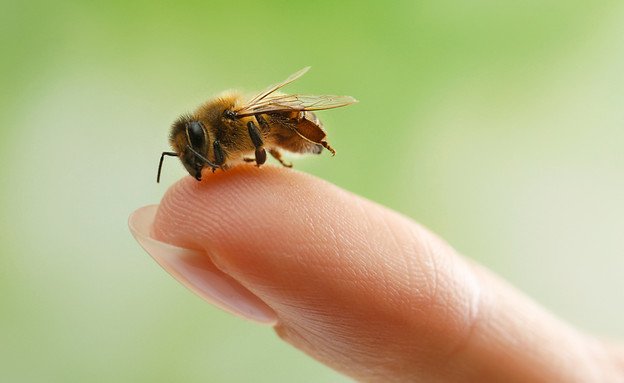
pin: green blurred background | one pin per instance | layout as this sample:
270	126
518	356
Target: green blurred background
497	124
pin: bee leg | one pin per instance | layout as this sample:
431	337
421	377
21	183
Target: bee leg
260	156
219	154
256	139
248	159
278	156
326	146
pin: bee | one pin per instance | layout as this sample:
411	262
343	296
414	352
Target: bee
228	130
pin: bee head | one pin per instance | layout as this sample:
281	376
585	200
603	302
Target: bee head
190	140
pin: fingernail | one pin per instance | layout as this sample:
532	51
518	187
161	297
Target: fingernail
195	271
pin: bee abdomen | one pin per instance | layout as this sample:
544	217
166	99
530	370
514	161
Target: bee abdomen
307	115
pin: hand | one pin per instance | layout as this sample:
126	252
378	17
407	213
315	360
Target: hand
359	287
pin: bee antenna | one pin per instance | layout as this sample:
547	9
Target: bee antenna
162	157
195	152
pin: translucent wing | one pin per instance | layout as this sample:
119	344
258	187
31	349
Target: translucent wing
265	101
272	88
285	103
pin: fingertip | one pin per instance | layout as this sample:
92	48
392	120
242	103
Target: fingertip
246	201
194	270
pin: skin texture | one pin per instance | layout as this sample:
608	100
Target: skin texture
369	292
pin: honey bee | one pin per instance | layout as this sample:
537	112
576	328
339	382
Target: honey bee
227	130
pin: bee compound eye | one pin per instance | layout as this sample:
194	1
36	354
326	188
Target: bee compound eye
196	134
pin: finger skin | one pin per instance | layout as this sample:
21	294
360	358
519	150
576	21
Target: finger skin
366	290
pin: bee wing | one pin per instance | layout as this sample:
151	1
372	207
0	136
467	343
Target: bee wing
285	103
272	88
